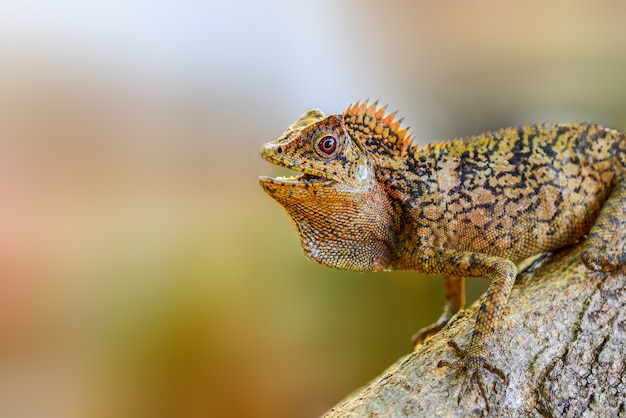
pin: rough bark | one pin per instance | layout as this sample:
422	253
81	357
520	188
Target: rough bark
560	341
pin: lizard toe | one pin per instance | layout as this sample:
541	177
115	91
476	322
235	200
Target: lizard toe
475	369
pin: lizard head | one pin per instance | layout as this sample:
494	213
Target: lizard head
341	213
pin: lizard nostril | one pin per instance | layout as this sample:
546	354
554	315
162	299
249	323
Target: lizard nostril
279	149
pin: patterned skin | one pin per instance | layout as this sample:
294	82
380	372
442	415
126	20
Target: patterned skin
367	200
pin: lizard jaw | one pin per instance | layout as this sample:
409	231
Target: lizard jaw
307	178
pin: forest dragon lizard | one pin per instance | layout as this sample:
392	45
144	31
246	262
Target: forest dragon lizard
368	200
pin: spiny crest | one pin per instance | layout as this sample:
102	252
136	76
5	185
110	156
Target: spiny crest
379	132
437	146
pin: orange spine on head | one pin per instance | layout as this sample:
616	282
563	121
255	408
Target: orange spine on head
379	132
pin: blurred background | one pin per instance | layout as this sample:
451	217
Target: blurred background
143	271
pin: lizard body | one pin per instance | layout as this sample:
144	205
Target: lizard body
368	200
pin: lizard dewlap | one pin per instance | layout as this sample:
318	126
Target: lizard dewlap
366	199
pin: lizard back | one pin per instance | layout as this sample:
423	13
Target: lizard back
514	192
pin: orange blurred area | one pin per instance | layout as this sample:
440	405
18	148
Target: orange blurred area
143	271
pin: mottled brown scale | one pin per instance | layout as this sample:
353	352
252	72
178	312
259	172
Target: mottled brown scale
469	207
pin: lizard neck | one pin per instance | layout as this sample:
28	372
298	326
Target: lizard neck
417	208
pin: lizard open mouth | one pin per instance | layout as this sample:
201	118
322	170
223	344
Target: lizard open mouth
300	180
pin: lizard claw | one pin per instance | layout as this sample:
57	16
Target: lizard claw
474	367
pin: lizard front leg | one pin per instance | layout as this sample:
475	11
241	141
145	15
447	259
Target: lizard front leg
502	273
455	300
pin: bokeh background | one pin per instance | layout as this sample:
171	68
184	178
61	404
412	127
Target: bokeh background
143	271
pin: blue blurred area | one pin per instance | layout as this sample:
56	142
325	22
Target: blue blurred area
143	271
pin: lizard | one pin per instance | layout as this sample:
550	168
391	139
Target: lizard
368	199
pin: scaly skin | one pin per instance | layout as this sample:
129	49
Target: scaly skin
368	201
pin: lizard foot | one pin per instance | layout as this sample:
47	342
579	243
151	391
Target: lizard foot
474	367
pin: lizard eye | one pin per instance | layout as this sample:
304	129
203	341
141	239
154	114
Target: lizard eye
328	144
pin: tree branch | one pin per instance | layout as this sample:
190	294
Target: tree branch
560	341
